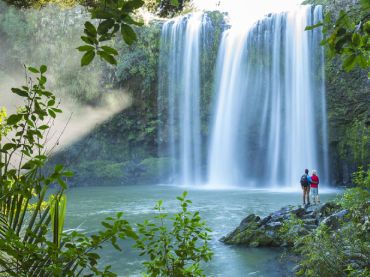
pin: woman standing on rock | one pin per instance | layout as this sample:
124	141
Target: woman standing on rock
315	187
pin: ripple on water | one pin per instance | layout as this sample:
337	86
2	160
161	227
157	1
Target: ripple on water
223	210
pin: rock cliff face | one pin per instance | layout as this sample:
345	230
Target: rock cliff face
348	105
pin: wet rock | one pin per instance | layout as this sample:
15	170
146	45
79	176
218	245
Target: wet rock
310	226
309	215
333	221
310	221
328	208
265	220
250	218
256	232
299	211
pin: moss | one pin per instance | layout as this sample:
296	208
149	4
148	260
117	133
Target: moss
155	169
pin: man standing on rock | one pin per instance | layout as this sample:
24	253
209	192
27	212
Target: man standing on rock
305	184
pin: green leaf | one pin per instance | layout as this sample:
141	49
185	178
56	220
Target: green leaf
109	50
85	48
33	70
366	27
365	4
129	6
20	92
68	174
128	34
356	39
109	58
43	68
128	19
56	110
361	60
101	14
88	40
349	62
29	165
90	29
314	26
62	183
51	102
87	58
42	80
105	25
14	119
7	147
51	113
175	3
58	168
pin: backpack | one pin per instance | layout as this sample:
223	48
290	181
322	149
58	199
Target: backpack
304	181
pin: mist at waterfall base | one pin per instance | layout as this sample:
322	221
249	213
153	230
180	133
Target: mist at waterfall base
266	121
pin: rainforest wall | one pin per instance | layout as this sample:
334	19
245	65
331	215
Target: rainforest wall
124	149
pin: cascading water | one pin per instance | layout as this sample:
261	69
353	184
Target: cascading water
179	95
268	121
269	117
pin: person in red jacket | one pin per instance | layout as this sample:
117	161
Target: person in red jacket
315	187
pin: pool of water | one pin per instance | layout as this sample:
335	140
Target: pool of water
222	209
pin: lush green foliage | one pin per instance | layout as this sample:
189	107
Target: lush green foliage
349	36
355	143
138	63
31	238
113	16
290	229
176	250
341	249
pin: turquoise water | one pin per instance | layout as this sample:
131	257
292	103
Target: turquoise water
222	209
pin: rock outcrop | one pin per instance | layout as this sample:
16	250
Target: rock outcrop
255	231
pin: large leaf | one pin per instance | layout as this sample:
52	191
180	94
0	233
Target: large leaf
85	48
109	50
87	58
132	5
20	92
90	29
128	34
109	58
349	62
58	206
105	25
14	119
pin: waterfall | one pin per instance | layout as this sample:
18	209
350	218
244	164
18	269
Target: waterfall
179	95
267	118
269	115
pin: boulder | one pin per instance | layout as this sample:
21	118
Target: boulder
333	221
256	232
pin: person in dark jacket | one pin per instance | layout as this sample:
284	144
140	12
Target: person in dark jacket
305	184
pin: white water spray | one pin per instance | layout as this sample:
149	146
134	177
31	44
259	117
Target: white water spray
270	110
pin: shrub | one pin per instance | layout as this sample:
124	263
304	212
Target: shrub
175	245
